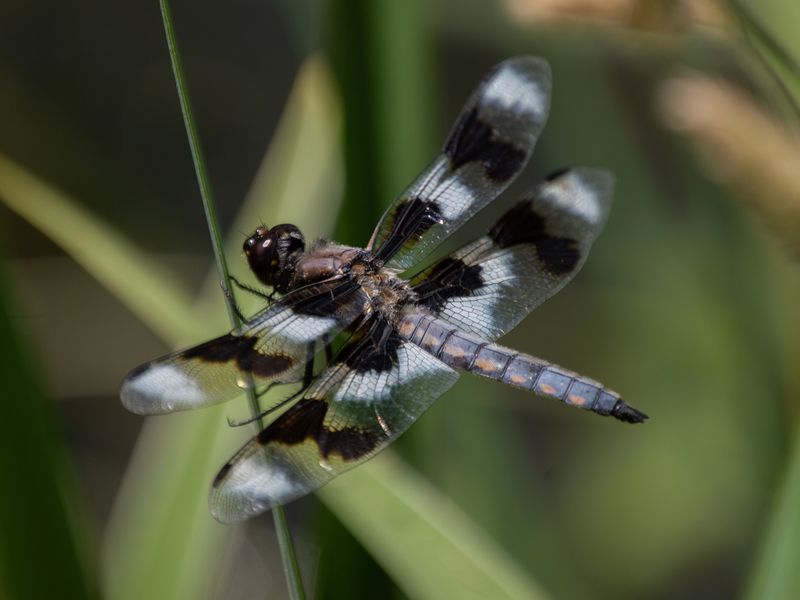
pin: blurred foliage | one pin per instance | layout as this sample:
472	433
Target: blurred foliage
39	525
687	304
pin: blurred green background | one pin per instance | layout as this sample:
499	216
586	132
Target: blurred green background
319	113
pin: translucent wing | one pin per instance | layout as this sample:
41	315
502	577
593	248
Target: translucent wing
490	143
378	385
489	286
273	347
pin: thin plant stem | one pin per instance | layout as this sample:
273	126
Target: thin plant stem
290	566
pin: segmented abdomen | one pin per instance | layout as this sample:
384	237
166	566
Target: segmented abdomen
467	352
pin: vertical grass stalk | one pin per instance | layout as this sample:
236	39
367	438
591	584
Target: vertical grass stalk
290	566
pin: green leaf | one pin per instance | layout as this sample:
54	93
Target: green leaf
149	290
423	540
161	541
160	538
40	543
777	572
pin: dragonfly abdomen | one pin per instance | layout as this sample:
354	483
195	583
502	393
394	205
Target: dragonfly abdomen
467	352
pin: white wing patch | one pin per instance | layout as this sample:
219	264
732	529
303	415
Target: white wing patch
309	328
577	193
170	386
455	200
517	92
246	484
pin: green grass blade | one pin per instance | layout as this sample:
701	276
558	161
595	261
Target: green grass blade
291	569
777	571
206	194
771	29
40	544
150	291
139	561
421	538
161	541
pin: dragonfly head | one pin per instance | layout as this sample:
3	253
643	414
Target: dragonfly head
272	253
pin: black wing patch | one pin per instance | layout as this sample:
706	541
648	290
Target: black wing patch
409	223
273	347
240	350
475	140
305	422
449	278
490	143
523	224
533	250
353	410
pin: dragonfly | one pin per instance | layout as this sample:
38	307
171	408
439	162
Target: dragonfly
388	330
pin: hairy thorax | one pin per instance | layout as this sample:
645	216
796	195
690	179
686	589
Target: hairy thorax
384	292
